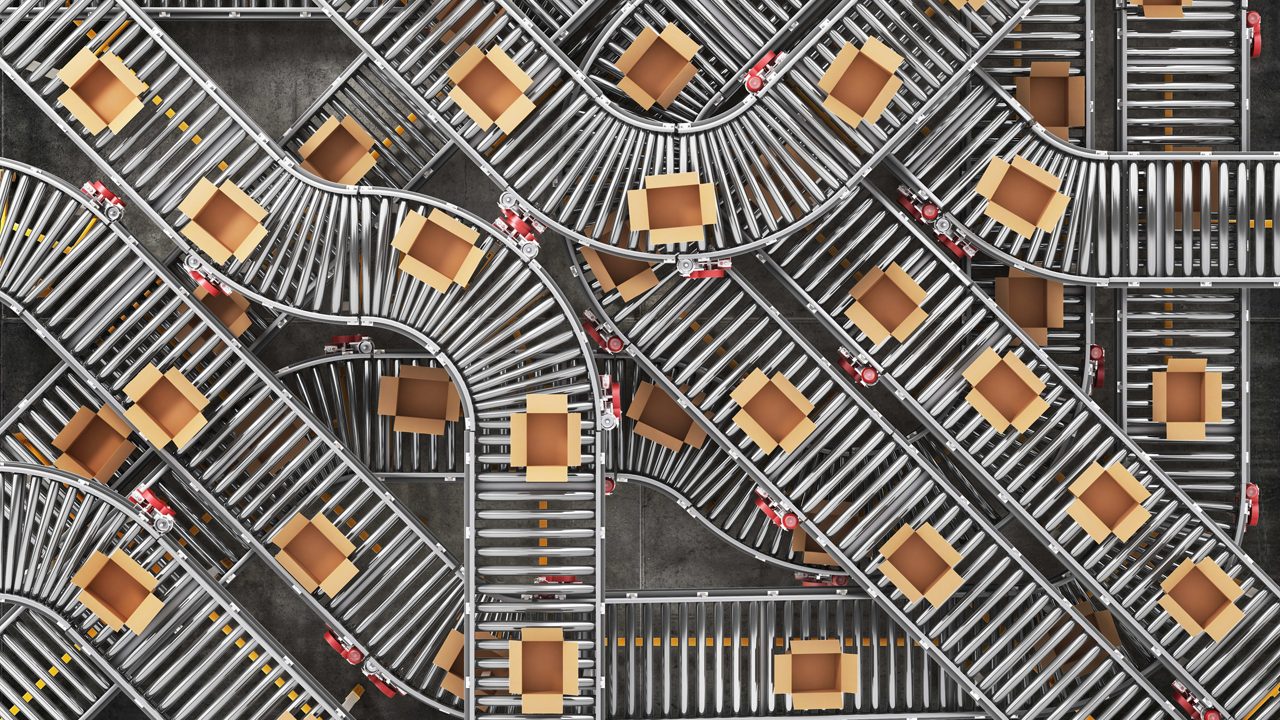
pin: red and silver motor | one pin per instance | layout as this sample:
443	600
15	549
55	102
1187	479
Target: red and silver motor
202	274
702	268
760	73
611	398
608	341
104	199
863	373
362	344
519	225
777	515
1195	709
155	510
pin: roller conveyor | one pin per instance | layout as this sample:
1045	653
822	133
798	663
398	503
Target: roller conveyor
44	674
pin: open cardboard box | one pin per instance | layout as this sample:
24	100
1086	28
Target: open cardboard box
1186	397
438	249
1201	598
489	87
1053	96
224	220
167	407
657	66
338	151
1108	502
661	419
630	277
1022	196
1035	303
546	438
421	399
1005	391
774	413
544	668
816	674
101	92
232	309
93	445
672	208
315	553
886	303
975	4
921	564
1100	619
1161	8
860	82
451	657
118	590
808	549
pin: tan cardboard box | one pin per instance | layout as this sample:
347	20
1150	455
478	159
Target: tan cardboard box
1100	619
630	277
101	92
1022	196
921	564
661	419
1035	303
167	407
1161	8
1196	182
673	208
860	83
421	399
224	220
544	668
1108	502
1005	391
1201	598
887	303
93	445
232	309
452	659
438	249
808	550
338	151
489	87
774	413
975	4
1186	397
546	439
816	674
1053	97
118	590
656	67
315	553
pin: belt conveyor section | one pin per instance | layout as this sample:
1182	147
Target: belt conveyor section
1184	81
200	657
1153	326
854	482
700	654
571	161
1153	219
43	674
1030	472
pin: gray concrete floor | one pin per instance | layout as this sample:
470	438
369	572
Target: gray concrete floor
274	70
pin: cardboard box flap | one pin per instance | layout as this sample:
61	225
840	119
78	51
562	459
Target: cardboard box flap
1036	173
636	50
782	673
547	403
1053	212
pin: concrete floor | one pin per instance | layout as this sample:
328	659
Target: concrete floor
274	70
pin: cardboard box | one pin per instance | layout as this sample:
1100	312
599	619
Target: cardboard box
808	550
452	659
93	445
1053	96
1022	196
421	399
118	590
630	277
232	309
1186	397
1161	8
960	4
774	413
315	553
1108	502
101	92
1033	302
861	82
224	220
887	303
672	208
656	67
1201	597
338	151
816	674
661	419
167	407
544	668
438	249
546	439
489	87
921	564
1005	391
1100	619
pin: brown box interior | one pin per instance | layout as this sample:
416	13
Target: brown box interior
1199	597
440	249
225	220
674	207
115	588
815	673
887	303
620	268
1028	302
861	84
1106	499
96	444
663	413
657	68
103	92
542	670
919	563
1023	195
421	398
313	551
337	154
1184	397
774	411
489	88
168	406
548	439
1006	391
